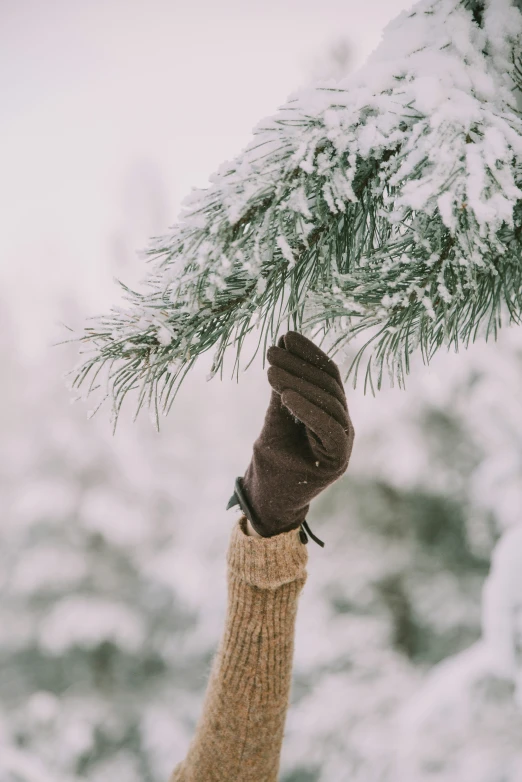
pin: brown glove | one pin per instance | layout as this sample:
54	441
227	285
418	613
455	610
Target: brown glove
305	443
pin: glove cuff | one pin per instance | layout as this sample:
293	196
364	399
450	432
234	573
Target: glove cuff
239	497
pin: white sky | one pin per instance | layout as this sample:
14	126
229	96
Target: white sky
113	110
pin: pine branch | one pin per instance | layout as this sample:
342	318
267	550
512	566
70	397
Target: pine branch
375	206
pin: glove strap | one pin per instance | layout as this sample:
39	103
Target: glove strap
302	534
239	498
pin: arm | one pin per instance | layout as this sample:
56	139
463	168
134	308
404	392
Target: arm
240	731
304	446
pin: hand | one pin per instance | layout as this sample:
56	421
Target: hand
306	439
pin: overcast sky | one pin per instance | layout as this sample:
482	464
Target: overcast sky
112	110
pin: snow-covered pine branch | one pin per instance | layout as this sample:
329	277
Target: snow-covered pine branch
388	203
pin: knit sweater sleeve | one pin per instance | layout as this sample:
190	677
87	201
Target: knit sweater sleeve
240	730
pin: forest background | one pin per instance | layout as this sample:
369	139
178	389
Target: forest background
112	589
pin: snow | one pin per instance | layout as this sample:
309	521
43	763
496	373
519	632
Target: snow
286	250
164	336
142	538
43	707
112	576
502	607
51	498
29	768
121	522
50	567
87	621
437	96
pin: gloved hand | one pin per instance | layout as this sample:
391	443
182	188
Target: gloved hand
306	439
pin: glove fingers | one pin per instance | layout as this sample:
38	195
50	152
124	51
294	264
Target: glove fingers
281	380
301	346
277	416
300	368
331	441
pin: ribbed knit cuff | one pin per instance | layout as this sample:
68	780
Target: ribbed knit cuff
266	563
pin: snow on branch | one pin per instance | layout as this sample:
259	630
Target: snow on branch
388	203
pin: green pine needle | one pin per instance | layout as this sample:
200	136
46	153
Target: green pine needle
344	217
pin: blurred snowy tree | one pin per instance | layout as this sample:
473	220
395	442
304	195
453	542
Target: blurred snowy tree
111	547
418	672
107	563
89	634
110	613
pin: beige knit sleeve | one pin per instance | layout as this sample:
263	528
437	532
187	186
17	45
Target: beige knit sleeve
240	731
